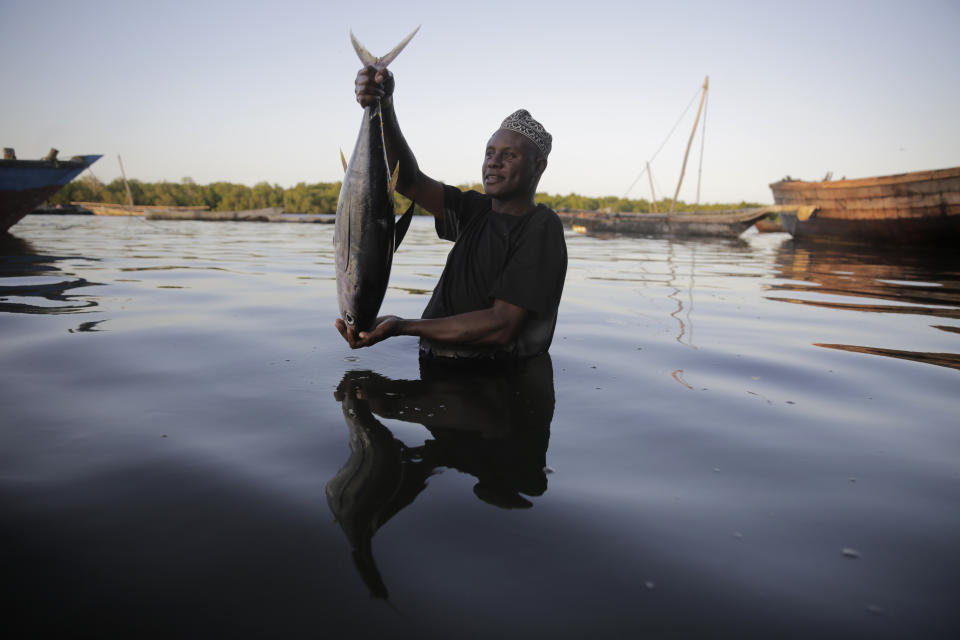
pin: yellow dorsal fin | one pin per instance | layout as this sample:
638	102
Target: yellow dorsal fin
393	178
343	160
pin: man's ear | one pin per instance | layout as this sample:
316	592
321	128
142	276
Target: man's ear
540	165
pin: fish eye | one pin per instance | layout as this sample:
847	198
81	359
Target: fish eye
348	317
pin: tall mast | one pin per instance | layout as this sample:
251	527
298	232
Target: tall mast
653	194
127	185
706	82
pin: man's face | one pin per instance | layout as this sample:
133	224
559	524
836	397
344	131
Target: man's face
509	165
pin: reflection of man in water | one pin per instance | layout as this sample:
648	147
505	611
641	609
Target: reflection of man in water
490	422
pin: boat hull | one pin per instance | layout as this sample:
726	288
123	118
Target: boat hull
25	184
112	209
720	224
922	207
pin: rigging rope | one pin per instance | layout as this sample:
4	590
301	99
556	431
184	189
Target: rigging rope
660	148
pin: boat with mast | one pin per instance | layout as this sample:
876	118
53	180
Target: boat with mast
728	223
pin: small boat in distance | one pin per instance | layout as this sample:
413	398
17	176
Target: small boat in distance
719	224
114	209
922	207
25	184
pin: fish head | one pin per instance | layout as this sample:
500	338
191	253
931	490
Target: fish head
359	313
350	319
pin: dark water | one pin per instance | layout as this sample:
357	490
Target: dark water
749	439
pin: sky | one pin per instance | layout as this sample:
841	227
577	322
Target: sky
246	91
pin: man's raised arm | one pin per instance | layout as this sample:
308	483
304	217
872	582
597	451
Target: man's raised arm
414	184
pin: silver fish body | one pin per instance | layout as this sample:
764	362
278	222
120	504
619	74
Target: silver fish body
366	233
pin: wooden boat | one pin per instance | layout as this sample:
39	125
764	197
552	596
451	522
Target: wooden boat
922	207
769	225
728	224
110	209
25	184
725	224
270	214
131	209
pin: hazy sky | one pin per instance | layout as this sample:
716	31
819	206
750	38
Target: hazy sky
246	91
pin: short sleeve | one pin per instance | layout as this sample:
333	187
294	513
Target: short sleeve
459	207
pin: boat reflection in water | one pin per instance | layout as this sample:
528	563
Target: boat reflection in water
920	282
491	422
33	282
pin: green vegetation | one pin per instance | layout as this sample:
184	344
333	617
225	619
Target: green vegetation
320	197
218	196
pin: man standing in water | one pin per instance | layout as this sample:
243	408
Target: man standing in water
500	289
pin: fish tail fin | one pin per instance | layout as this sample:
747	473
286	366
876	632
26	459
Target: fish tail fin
370	60
343	160
387	59
367	58
403	223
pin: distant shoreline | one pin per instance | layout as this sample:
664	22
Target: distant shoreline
316	198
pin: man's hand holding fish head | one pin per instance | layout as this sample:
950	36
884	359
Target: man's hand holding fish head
373	84
384	327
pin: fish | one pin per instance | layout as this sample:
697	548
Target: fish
366	232
379	479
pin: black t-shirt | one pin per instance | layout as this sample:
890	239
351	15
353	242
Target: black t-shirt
518	259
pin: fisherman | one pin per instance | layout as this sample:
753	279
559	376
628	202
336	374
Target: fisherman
498	295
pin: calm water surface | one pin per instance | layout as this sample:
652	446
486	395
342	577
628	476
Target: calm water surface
751	438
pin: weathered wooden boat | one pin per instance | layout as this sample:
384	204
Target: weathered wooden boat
769	225
25	184
112	209
922	207
725	224
269	214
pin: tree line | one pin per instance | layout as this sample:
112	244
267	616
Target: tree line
320	197
217	196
